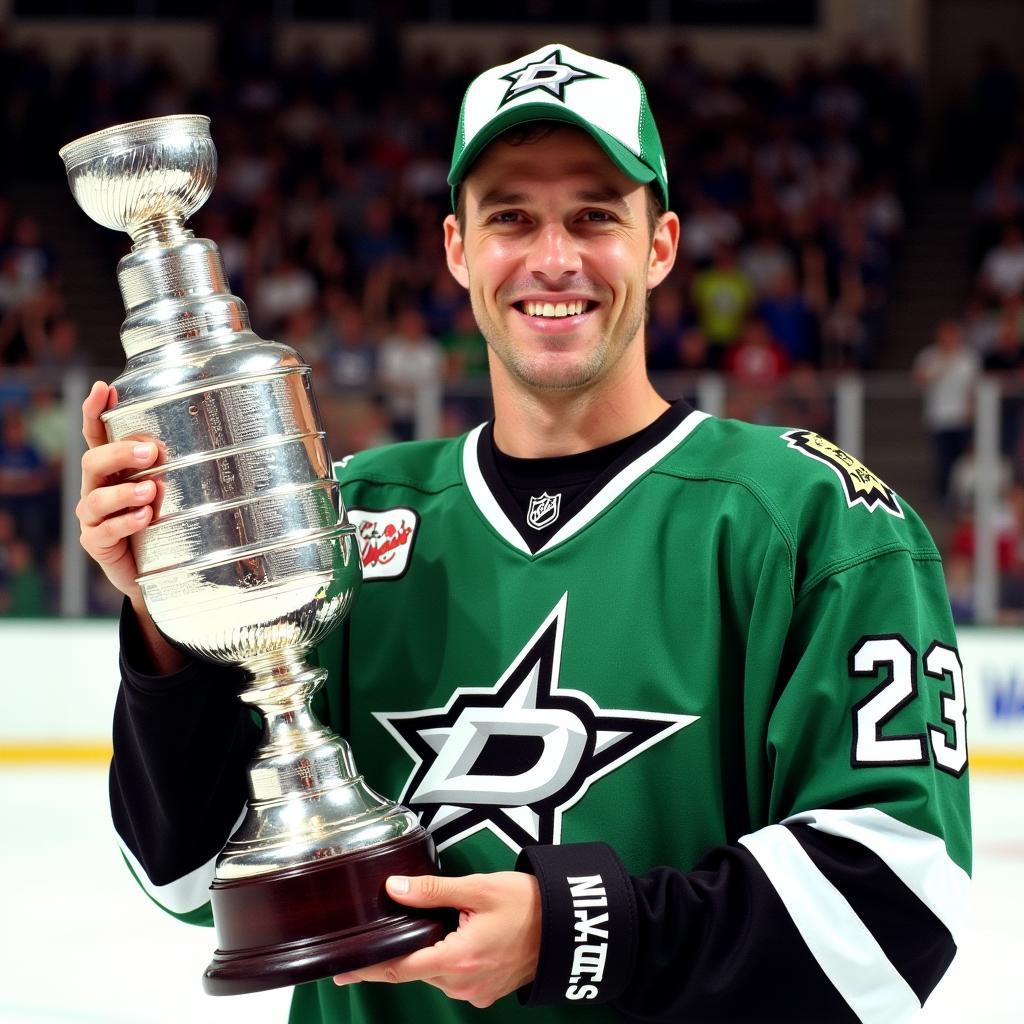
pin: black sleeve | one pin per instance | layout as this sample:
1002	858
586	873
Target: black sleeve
715	943
181	745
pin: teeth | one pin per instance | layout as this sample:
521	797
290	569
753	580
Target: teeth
552	309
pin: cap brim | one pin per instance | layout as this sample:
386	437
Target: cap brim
530	113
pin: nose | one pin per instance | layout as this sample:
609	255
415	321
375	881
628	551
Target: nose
553	253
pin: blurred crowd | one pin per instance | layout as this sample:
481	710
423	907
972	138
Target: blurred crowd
792	192
34	331
986	339
331	192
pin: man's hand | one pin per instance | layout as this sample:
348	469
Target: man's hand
492	952
112	511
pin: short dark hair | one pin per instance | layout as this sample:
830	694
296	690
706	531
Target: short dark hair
523	135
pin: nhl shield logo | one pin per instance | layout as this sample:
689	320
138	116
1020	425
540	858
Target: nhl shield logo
543	510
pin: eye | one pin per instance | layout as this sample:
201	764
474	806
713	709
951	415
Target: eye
598	216
506	217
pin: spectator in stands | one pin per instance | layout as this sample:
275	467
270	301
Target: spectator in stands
23	593
725	172
803	400
764	258
883	212
305	332
287	289
353	358
46	426
693	351
1006	362
757	360
722	296
756	364
844	336
443	302
1002	271
963	481
465	347
28	488
377	248
981	325
706	228
946	372
862	261
1006	356
410	360
1000	197
33	261
665	324
785	312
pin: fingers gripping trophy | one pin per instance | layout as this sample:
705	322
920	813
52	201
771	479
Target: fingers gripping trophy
249	561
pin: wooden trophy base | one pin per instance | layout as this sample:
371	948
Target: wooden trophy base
317	920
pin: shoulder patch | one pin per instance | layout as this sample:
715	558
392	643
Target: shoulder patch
386	538
860	485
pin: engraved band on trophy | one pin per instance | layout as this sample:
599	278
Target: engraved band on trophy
249	561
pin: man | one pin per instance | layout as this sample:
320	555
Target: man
946	372
620	634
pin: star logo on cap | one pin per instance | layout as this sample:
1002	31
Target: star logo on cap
549	74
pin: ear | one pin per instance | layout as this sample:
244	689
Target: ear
454	251
664	246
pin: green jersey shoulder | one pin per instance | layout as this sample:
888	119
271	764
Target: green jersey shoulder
830	509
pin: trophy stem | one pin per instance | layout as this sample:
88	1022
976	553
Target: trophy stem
307	800
298	755
159	232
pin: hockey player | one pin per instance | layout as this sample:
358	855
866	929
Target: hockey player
678	697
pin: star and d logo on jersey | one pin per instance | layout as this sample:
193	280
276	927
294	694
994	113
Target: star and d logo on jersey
513	757
385	540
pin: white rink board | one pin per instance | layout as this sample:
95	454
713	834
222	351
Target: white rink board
58	681
993	661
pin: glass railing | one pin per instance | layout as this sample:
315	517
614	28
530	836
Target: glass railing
978	523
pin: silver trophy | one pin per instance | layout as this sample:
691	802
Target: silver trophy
249	561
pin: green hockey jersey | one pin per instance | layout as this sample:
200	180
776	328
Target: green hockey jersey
734	664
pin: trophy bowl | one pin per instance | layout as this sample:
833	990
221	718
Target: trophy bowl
249	561
130	175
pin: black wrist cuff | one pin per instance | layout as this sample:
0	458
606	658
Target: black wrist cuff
588	924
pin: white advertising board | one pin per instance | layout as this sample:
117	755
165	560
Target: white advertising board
58	680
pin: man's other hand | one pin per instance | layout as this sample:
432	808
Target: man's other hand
492	952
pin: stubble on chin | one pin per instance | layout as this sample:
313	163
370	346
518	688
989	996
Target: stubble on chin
540	373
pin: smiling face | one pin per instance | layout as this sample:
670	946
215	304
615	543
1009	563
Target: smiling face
558	258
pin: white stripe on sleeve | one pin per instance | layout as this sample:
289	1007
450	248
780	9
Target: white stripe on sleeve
837	938
917	858
184	894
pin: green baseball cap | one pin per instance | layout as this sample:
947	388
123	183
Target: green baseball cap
558	83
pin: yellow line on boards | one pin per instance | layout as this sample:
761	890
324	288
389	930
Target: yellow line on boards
67	754
991	761
54	754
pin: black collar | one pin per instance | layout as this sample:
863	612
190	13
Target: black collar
540	495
